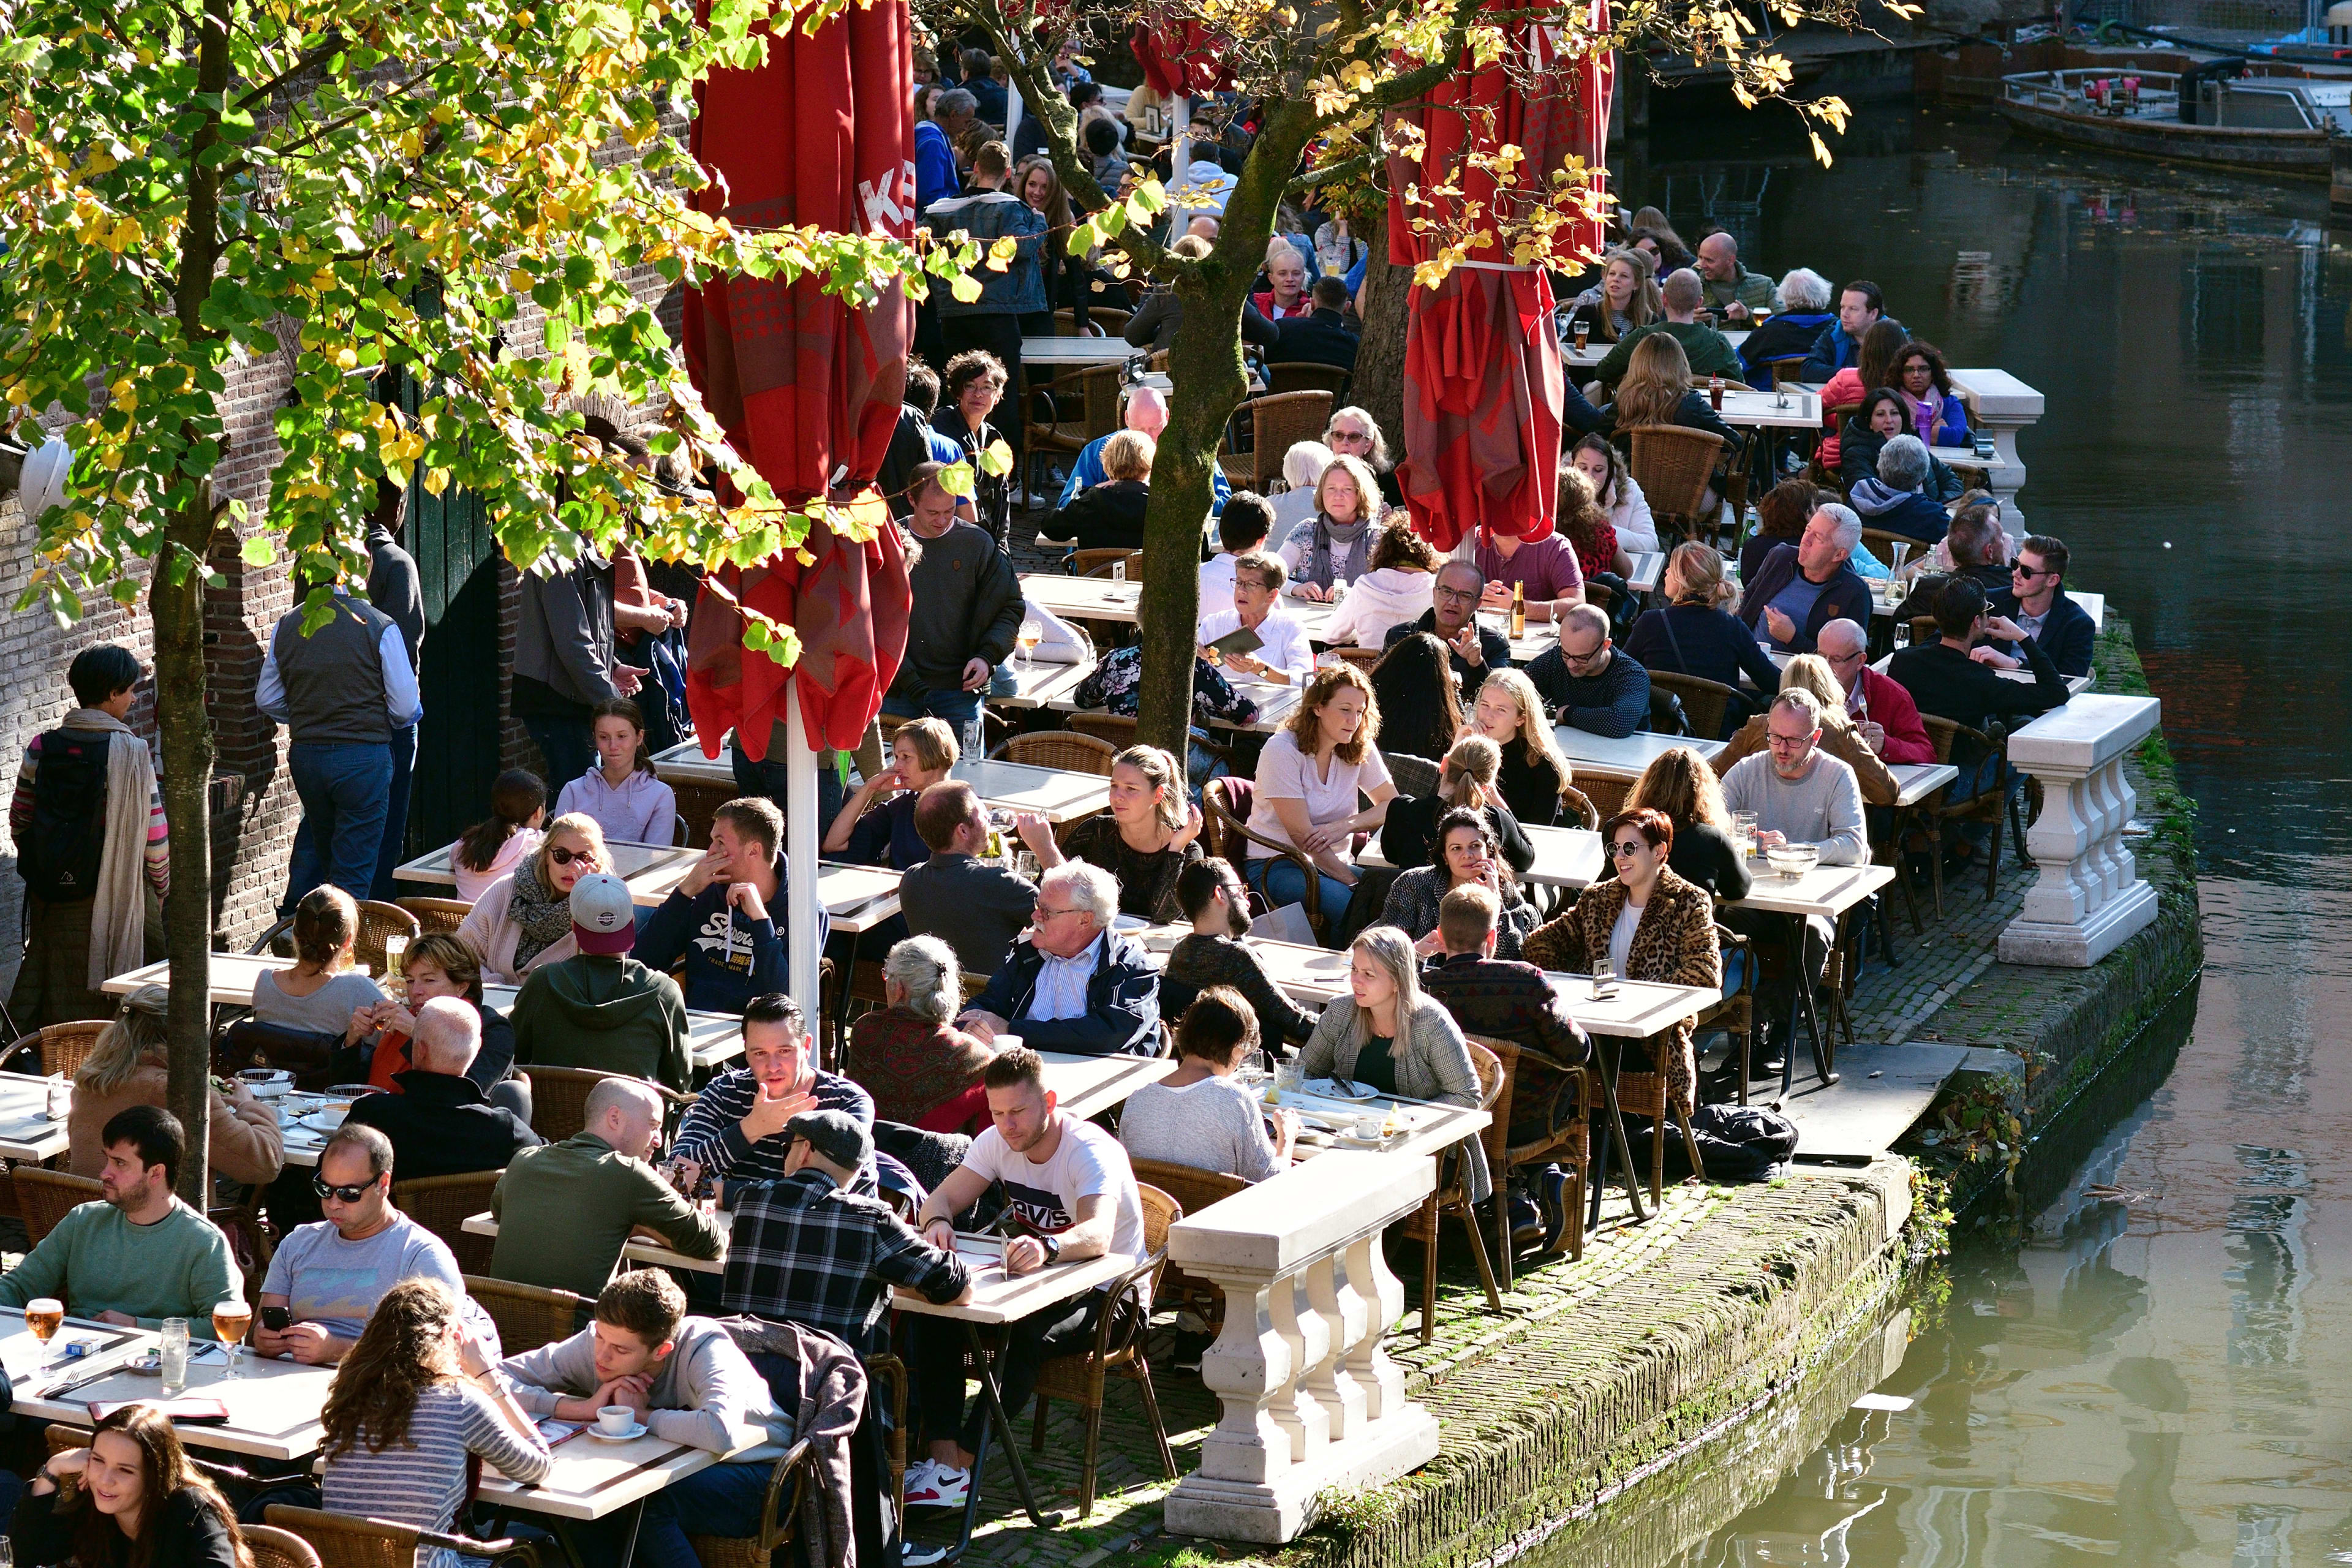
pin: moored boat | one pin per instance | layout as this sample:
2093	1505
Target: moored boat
2281	124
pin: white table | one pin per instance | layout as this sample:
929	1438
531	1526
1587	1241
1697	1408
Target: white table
1041	685
1743	405
232	975
1622	758
1086	1086
1915	782
651	870
685	763
1638	1010
637	1249
1050	792
26	1130
1649	571
273	1409
1060	351
1827	892
1082	598
1428	1128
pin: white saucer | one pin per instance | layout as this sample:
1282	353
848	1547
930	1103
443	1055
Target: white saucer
631	1435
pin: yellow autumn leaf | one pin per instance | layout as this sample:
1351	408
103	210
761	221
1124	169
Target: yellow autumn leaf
436	481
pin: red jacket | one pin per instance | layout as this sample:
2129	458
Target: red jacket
1892	710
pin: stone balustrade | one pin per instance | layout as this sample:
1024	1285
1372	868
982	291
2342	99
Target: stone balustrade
1310	1402
2000	405
2089	898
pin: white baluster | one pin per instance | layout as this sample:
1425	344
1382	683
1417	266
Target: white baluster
1345	1317
2089	898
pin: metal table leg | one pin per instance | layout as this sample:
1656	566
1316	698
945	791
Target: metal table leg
1801	1007
1001	1425
1614	1134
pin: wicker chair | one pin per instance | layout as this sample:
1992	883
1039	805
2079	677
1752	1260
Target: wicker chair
437	914
788	1490
442	1204
1736	1014
343	1541
1834	418
1673	465
1564	1142
377	921
1098	563
1119	1348
1453	1197
275	1547
1604	798
65	1047
1299	376
1277	424
1882	543
1193	1189
1078	407
1574	802
1986	804
1643	1094
559	1100
1363	658
43	1197
1064	749
252	1241
527	1315
1705	701
1224	811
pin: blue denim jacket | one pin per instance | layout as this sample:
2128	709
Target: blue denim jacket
988	216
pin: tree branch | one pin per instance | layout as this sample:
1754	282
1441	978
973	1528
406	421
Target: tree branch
334	43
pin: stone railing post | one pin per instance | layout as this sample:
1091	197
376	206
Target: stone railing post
1310	1403
2089	898
2002	405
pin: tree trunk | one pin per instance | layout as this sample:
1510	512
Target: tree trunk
1377	385
176	600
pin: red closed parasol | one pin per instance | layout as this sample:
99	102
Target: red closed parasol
1483	386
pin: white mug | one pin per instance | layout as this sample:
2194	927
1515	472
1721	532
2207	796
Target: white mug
614	1419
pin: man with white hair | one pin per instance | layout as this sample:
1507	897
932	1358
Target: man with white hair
565	1210
1806	307
1072	981
1708	351
1896	498
1800	588
439	1121
1731	288
1590	684
1147	413
1883	714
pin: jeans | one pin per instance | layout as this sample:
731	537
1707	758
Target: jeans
344	791
395	820
766	778
1991	771
1064	1328
1283	882
567	746
955	705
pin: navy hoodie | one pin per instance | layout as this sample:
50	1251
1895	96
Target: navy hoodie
722	974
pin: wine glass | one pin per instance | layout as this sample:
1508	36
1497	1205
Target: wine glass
1032	631
45	1315
231	1318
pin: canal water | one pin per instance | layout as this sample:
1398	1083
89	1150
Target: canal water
2155	1368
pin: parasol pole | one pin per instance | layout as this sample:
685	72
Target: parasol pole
800	857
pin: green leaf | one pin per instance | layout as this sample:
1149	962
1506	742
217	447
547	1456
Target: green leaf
258	551
997	461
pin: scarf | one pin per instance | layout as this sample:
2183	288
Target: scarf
543	915
1355	538
117	919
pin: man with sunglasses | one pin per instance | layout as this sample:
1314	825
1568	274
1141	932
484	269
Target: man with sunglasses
1590	684
2034	600
328	1277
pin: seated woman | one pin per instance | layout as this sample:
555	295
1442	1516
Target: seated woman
494	847
1879	420
1302	470
1310	777
1657	390
1285	274
1333	548
319	996
622	792
1392	1037
1214	900
1110	515
1649	924
133	1496
523	920
130	1065
1467	852
922	752
1872	368
412	1406
1680	784
1533	773
1466	779
1587	529
1938	417
1839	736
1414	681
1697	633
1625	298
1146	839
1614	488
438	964
1201	1115
1394	591
921	1069
1897	500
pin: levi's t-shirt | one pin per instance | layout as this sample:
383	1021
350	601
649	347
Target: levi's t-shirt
1045	1196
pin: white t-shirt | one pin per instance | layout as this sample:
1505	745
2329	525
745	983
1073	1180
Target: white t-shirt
1284	773
1216	584
1087	1161
1621	938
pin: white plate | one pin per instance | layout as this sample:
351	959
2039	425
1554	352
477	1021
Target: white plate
1328	1088
631	1435
1131	923
325	1121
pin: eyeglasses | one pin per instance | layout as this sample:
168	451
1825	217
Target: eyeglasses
1844	658
563	856
1574	657
341	1194
1456	595
1046	914
1629	846
1789	742
1339	436
2022	569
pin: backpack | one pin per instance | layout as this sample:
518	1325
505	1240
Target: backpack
1738	1144
58	856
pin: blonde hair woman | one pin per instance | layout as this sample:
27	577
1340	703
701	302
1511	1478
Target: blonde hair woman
1697	633
1149	836
524	921
130	1066
1680	784
1310	778
1464	779
1625	298
1389	1036
1509	712
922	752
1333	548
1655	383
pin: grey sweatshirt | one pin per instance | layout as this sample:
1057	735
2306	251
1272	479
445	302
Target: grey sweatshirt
967	607
1824	808
706	1394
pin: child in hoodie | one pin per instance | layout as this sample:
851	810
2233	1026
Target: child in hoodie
622	792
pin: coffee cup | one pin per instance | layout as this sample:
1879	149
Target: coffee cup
1369	1126
614	1419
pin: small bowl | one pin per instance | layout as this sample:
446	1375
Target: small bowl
1792	860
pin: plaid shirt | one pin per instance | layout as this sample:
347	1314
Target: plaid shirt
807	1251
711	1138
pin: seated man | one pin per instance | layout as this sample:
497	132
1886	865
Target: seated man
976	908
1883	714
2034	601
809	1250
735	1128
1545	570
1284	655
1978	551
1860	308
1147	413
1802	587
440	1123
1709	352
1951	679
1475	649
565	1210
1242	529
1732	290
725	918
690	1384
602	1008
1322	336
139	1255
1073	983
330	1276
1590	684
1073	1194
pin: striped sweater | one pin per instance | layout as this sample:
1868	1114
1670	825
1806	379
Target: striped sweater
159	844
422	1482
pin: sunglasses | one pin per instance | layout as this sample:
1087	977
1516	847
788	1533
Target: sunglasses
341	1194
1630	847
2022	569
563	856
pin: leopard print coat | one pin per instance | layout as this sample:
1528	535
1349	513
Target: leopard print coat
1675	942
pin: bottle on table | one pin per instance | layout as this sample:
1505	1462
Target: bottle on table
1518	610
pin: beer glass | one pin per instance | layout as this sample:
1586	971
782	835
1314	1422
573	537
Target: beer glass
230	1321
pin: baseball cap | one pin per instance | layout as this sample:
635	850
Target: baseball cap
835	1134
603	915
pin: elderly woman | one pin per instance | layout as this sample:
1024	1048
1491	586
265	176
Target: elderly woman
524	921
921	1069
128	1066
1807	305
1310	778
922	752
1393	591
1649	924
1333	548
1201	1115
1110	515
1467	854
1897	501
1213	954
1465	780
1302	470
1071	982
1146	839
1389	1036
1352	431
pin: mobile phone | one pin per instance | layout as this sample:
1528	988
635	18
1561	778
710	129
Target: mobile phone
277	1319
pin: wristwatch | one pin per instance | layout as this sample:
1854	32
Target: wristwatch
1051	1246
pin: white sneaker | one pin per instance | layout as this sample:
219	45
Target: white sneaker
946	1486
919	1475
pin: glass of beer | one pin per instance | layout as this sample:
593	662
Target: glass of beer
45	1315
230	1321
1584	336
1032	631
